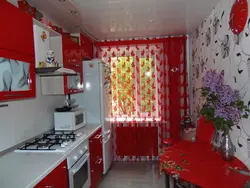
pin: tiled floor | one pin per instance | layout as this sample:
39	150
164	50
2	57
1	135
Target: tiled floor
133	175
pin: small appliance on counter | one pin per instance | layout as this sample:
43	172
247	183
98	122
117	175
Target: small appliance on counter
69	117
70	120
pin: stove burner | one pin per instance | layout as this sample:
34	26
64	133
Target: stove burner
43	146
50	141
43	141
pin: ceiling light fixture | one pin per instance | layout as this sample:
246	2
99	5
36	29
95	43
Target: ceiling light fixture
61	0
73	12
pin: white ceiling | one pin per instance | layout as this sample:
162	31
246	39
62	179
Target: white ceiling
109	19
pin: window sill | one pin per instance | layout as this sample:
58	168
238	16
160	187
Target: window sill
139	120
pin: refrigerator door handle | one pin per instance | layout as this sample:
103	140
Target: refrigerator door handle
106	140
107	133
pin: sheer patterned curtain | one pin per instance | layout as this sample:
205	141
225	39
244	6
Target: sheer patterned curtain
141	98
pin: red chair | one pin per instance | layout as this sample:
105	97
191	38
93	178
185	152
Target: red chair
204	133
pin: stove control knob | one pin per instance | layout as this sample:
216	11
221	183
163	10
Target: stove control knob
75	158
81	152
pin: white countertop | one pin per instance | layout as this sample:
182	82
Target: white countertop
25	170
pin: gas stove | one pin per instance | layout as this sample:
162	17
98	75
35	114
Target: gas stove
55	141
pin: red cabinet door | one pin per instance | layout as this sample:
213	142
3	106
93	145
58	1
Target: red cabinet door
17	56
71	51
17	29
72	60
96	158
66	44
96	172
58	178
60	175
17	75
95	145
74	84
86	47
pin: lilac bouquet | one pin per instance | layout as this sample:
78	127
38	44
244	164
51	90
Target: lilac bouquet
223	104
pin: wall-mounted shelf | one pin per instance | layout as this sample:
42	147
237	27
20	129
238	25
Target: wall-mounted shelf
46	39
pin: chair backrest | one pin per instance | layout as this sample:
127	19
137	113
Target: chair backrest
205	130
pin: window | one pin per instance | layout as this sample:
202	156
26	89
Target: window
133	87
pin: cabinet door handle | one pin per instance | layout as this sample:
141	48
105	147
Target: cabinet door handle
98	136
98	161
13	95
49	186
77	65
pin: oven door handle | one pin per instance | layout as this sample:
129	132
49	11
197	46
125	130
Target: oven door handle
81	164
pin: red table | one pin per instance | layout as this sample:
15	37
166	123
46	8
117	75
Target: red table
199	164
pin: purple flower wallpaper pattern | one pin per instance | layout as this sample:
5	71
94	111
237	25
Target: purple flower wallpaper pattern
215	46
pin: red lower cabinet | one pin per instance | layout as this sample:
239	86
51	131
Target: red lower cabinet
96	158
58	178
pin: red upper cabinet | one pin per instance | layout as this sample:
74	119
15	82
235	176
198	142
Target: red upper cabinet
74	84
58	178
17	35
67	47
71	51
86	47
72	60
17	58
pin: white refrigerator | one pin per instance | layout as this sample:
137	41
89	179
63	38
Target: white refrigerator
95	100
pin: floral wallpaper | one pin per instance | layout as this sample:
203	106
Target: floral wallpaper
215	46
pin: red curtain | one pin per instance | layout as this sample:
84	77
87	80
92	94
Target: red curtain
175	55
148	98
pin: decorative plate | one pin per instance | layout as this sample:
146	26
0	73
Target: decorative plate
238	16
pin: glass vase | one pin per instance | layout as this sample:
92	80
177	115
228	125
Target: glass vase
227	147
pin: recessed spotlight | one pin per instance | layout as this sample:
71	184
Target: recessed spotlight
73	12
61	0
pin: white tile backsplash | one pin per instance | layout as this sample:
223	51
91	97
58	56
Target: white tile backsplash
27	118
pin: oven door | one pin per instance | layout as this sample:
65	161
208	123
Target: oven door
79	174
